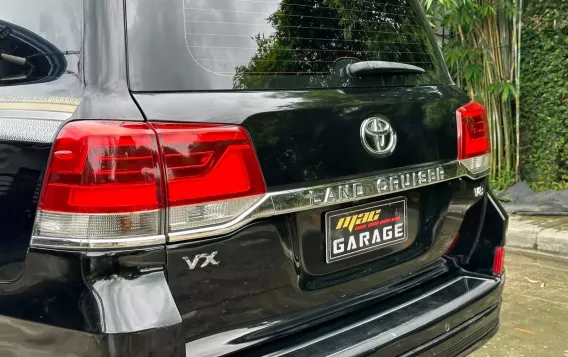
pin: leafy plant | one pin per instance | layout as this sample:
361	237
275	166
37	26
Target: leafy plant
544	97
482	52
502	182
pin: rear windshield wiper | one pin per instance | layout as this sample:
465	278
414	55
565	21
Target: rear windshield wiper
371	68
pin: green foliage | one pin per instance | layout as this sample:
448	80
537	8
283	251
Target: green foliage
473	72
504	180
544	94
506	90
481	54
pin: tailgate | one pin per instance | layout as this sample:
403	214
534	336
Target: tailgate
312	138
274	260
363	185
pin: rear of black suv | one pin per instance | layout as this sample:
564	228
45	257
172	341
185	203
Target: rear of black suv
244	178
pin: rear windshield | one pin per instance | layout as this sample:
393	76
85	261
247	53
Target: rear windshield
271	44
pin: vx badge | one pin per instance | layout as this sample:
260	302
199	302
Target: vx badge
209	259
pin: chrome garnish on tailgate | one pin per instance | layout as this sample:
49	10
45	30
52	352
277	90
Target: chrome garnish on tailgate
281	202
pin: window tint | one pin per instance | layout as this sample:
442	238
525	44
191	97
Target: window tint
271	44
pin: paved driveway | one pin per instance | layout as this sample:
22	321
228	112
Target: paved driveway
534	315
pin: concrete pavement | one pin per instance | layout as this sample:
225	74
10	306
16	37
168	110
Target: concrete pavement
534	314
541	234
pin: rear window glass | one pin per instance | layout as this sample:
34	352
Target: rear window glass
271	44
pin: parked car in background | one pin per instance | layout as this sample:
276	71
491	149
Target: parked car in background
247	177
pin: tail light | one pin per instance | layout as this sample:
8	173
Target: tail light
115	184
499	261
212	173
474	144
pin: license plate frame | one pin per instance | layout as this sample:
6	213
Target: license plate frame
394	210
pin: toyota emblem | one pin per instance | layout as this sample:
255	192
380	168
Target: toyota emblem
378	137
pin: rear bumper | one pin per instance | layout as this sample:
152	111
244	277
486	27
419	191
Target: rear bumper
442	311
464	339
449	320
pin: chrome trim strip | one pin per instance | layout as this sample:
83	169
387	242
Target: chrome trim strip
289	201
93	244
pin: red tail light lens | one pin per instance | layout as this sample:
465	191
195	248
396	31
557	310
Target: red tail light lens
206	163
499	261
473	131
103	167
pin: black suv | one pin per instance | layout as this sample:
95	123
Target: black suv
240	177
